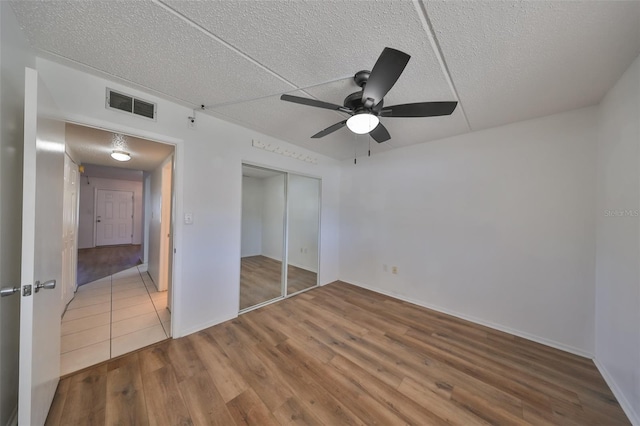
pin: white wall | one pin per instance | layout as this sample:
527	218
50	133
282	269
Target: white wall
618	247
303	198
252	200
496	226
86	216
15	55
273	216
208	184
155	234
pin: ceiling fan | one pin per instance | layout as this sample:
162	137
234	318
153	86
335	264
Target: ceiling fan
366	106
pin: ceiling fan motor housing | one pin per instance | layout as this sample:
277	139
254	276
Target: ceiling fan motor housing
361	77
354	102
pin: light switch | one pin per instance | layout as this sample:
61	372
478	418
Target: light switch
188	218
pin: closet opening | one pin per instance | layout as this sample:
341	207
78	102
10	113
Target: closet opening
280	235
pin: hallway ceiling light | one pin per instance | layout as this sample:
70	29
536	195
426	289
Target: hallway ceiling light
120	155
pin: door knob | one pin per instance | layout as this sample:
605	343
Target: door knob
47	285
8	291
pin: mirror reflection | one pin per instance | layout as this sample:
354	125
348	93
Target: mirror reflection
278	207
263	208
303	198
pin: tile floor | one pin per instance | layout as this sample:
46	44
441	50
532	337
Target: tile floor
110	317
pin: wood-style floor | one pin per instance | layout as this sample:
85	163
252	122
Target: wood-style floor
340	355
260	280
99	262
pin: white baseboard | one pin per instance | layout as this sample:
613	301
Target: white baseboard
13	420
523	334
144	267
270	257
204	325
153	281
634	417
306	268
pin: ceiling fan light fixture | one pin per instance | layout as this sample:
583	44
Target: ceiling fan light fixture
362	123
120	155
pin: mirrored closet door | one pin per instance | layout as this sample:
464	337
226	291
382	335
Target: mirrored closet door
280	235
303	196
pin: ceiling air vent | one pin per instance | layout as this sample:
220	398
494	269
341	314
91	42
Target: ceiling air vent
131	105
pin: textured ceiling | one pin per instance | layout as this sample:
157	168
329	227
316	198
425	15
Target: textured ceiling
504	61
512	61
94	146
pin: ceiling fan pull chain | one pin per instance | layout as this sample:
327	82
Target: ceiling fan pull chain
369	144
355	149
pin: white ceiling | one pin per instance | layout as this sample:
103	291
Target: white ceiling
504	61
94	146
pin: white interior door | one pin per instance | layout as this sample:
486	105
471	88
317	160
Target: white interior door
69	230
114	217
165	228
41	253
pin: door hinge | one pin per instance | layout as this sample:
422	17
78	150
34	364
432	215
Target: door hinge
26	290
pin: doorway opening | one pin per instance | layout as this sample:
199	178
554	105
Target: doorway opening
120	298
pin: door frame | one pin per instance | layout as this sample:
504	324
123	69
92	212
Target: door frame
177	200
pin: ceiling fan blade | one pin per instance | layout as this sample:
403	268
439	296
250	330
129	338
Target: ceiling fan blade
380	133
330	130
384	75
420	109
313	103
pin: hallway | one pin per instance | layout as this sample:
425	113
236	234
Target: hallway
100	262
112	316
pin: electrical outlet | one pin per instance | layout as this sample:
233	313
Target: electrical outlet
394	269
188	218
